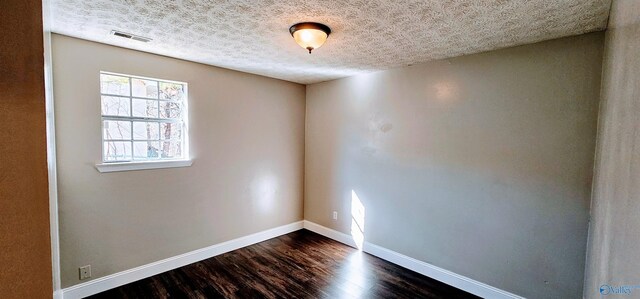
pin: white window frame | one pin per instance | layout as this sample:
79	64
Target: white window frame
127	165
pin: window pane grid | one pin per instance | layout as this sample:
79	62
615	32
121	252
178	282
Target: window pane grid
141	140
116	106
152	129
146	119
140	98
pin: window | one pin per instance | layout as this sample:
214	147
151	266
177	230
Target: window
143	119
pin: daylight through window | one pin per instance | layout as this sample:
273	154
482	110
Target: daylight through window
143	119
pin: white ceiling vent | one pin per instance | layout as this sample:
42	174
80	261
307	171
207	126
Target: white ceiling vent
130	36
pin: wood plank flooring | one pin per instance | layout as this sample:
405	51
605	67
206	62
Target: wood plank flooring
301	264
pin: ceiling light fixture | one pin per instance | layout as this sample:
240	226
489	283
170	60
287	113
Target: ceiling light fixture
310	35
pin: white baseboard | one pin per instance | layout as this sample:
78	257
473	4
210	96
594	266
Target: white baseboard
330	233
115	280
461	282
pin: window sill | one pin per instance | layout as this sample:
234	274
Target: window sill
130	166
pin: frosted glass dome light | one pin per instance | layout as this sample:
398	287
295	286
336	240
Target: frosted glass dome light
310	35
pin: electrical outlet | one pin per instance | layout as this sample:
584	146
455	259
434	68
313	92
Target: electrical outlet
85	272
335	215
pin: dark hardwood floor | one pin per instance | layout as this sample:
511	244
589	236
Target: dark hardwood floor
301	264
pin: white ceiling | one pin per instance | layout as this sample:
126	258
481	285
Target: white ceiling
368	35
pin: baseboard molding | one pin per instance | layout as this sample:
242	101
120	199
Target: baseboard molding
437	273
329	233
115	280
121	278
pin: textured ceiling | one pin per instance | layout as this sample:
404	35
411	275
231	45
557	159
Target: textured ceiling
368	35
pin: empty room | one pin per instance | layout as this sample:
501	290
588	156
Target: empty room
320	149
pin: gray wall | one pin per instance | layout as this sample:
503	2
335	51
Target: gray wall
479	164
247	141
614	236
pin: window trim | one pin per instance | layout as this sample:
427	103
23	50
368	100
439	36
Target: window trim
142	165
185	161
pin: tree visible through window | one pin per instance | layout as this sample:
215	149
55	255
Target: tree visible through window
142	119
